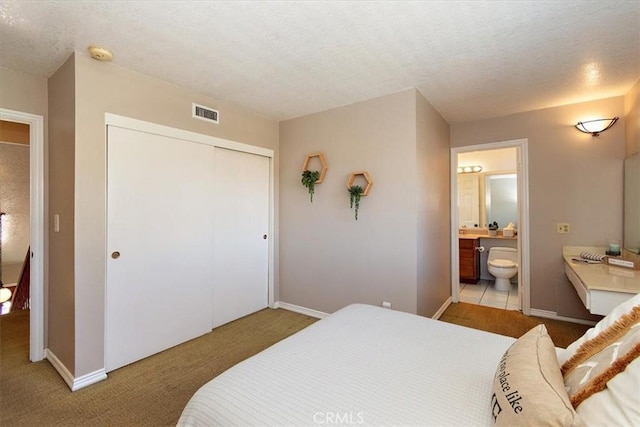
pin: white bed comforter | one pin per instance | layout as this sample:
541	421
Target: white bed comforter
363	365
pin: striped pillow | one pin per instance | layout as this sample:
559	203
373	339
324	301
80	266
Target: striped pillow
602	372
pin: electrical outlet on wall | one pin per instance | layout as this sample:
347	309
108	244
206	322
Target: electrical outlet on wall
563	228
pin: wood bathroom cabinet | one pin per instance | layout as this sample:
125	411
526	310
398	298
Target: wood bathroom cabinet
469	260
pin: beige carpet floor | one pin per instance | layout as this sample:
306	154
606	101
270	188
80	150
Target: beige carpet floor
511	323
153	391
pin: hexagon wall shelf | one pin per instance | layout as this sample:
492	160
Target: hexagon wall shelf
323	162
366	176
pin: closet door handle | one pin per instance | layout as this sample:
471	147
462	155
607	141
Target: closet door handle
115	255
264	237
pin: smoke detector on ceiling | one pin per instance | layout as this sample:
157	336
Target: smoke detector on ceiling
100	53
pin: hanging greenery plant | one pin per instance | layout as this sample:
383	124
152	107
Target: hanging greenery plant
355	192
309	179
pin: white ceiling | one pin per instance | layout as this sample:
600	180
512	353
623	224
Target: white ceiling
470	59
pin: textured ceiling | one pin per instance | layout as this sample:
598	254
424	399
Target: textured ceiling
470	59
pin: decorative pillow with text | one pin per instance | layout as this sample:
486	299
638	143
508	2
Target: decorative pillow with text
528	389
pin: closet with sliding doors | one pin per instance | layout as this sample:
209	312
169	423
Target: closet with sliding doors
188	221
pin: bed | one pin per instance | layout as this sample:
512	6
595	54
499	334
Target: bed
371	366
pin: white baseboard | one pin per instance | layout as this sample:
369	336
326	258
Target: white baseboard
74	383
302	310
441	310
88	379
553	315
59	366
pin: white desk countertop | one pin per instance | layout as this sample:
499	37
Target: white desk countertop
601	286
601	277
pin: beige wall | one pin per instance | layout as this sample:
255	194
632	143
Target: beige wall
61	297
573	178
23	92
103	87
434	213
632	120
327	258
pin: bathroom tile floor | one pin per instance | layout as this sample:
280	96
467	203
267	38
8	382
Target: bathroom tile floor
484	293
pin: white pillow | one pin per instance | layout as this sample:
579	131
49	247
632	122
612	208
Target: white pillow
615	314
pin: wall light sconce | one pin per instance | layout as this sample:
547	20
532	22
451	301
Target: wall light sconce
469	169
594	127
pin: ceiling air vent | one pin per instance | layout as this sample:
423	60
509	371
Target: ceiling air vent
205	113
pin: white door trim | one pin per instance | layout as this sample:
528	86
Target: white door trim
523	226
36	156
143	126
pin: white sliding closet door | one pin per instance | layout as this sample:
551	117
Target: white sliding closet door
160	221
241	251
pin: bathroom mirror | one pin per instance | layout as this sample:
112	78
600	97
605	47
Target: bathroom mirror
488	197
500	199
632	203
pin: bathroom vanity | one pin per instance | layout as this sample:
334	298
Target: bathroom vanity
601	287
469	254
469	260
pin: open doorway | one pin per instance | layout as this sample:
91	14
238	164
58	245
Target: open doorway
15	232
36	226
489	190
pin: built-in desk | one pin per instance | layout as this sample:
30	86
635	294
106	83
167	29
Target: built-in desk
601	287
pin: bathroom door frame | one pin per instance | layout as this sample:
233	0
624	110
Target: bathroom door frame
523	217
37	228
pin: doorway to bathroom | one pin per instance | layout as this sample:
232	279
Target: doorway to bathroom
489	209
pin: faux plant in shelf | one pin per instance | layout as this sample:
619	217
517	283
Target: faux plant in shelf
309	179
355	192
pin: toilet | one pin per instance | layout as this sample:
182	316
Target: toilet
503	264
